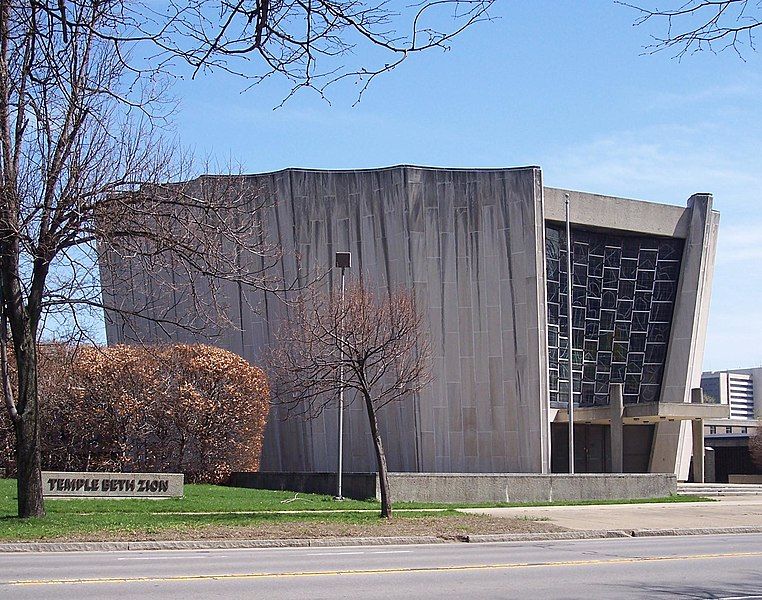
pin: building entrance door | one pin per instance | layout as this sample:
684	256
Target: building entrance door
591	451
591	448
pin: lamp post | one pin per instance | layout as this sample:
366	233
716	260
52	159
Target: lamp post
569	332
343	262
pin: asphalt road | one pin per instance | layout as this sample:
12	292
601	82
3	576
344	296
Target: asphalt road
728	567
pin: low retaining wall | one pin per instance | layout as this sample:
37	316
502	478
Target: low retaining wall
359	486
745	478
527	487
471	487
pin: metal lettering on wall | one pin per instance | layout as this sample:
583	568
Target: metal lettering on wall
623	295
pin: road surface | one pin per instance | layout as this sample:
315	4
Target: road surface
728	567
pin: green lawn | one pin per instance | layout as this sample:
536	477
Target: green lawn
198	498
256	512
235	508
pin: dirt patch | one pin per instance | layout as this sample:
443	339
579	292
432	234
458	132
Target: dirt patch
447	528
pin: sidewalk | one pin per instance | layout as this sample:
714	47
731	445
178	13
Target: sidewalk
729	511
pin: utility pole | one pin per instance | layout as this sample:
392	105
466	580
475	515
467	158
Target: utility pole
569	332
343	261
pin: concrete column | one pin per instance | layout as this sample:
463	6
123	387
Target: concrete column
697	397
709	472
616	406
698	450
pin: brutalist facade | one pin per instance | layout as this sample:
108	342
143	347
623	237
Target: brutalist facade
484	252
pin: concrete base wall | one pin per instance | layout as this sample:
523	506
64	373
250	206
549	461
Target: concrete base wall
752	479
519	487
359	486
470	487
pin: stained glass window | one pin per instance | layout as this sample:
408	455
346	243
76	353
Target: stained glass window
623	296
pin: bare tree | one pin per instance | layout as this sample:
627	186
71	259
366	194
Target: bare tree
377	341
311	43
82	168
696	25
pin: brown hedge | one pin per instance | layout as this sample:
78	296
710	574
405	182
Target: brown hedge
194	409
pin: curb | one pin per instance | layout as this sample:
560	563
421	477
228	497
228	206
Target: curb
557	535
214	544
607	533
365	541
696	531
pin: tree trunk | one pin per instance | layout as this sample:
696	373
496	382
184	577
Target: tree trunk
28	464
383	476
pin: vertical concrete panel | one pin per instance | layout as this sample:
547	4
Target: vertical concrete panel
672	443
469	242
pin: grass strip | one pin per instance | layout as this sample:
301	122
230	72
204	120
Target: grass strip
207	509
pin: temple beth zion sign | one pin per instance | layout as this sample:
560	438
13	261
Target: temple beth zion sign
58	484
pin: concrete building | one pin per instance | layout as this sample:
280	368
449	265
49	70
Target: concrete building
736	389
484	252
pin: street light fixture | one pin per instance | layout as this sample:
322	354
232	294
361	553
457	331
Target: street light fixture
569	309
343	262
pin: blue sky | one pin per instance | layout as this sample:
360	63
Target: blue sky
563	85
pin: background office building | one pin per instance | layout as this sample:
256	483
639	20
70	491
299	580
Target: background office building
484	251
740	390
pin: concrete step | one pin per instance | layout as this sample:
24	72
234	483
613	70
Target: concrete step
707	490
716	493
719	489
721	486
